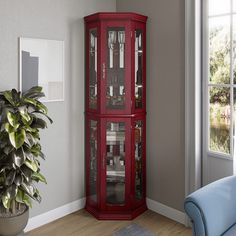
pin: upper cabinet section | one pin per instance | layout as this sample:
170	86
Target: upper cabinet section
115	63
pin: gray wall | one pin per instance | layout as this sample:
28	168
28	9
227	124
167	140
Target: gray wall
165	97
63	142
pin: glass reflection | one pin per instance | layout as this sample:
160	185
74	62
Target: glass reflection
138	134
115	163
219	112
219	50
115	81
138	69
93	69
93	161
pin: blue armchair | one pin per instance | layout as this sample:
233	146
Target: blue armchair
212	209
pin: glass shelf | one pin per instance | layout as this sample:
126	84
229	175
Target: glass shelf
115	162
115	78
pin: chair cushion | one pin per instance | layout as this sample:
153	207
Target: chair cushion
231	231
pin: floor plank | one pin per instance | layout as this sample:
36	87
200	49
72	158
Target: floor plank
81	223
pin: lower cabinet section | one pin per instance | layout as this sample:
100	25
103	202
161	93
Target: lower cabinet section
115	166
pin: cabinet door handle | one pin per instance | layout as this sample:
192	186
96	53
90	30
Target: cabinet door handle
103	70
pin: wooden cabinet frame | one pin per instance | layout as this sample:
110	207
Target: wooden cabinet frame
104	110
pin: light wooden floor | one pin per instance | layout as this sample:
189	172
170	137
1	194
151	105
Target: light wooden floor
82	223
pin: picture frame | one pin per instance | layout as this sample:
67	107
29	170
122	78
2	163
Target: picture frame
41	63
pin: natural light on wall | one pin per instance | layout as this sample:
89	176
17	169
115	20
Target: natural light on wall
221	80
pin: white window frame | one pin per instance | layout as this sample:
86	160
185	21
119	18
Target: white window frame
193	150
194	95
193	114
207	85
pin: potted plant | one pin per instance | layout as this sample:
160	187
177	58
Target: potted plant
22	115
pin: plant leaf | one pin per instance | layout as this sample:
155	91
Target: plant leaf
13	119
32	165
39	177
10	177
42	155
8	149
20	196
37	95
11	191
19	157
41	107
8	96
16	97
27	201
36	104
34	92
27	172
37	196
30	101
17	139
30	140
51	121
6	201
28	188
18	179
26	118
23	198
36	149
30	156
9	128
38	123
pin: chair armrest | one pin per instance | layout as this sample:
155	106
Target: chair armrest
198	226
212	208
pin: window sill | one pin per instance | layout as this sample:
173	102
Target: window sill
220	155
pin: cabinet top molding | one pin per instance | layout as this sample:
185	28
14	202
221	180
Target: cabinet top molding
115	16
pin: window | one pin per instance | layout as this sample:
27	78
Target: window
220	75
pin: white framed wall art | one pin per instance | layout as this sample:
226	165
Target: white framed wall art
42	64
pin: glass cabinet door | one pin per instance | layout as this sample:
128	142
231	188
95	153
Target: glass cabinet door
115	163
93	160
115	68
139	80
138	154
93	88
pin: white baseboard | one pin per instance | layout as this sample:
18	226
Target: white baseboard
69	208
54	214
164	210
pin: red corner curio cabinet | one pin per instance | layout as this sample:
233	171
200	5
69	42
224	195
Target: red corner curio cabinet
115	115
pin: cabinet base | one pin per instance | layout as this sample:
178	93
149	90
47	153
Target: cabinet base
121	215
